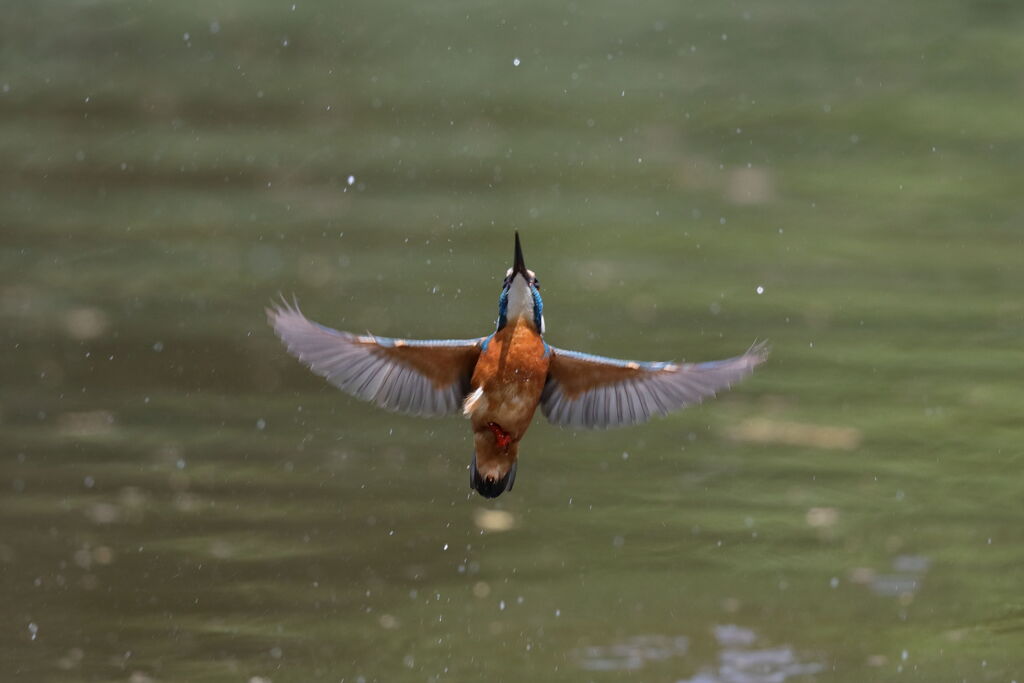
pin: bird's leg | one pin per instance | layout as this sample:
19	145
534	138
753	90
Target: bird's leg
503	438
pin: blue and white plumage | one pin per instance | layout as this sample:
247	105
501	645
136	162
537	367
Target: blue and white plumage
520	298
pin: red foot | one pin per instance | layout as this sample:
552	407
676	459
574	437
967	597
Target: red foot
503	438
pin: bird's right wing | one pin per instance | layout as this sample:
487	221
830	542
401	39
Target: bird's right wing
597	392
418	377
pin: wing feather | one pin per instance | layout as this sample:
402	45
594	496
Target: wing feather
584	390
420	377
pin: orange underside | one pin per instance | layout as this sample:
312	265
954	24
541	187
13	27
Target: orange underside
512	372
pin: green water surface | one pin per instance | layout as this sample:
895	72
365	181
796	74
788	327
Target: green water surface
182	501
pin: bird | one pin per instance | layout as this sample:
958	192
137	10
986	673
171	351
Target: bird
498	381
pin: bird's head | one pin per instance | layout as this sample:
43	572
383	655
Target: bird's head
520	294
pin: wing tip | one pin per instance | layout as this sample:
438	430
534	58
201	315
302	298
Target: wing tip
758	352
279	308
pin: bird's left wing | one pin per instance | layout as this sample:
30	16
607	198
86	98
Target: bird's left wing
597	392
418	377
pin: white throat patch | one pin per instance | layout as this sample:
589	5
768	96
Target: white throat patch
520	299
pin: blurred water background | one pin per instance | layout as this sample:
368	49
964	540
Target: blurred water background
182	501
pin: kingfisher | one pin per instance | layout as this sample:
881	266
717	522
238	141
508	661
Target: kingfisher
499	380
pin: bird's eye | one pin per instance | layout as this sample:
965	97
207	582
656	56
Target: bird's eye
536	283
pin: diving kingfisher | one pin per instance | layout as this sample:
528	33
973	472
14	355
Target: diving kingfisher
498	381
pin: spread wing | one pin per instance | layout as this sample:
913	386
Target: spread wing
418	377
593	391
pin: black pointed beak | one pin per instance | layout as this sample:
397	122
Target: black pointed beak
519	266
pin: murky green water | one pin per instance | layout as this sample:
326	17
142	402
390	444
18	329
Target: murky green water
183	502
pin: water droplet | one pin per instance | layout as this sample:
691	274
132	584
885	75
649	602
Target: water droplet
516	62
261	424
760	289
351	180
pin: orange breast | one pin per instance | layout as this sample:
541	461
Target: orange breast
512	372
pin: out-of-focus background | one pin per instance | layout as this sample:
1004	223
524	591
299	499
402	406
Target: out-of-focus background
182	501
